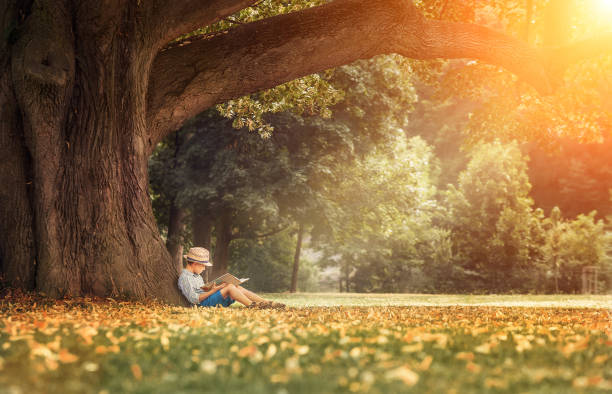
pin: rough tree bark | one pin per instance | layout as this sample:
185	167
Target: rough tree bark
17	252
176	216
86	94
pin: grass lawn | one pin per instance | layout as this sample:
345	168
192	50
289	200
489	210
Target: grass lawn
357	299
322	343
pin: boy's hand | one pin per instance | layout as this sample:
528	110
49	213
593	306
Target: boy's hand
214	287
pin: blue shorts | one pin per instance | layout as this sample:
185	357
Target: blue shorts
217	299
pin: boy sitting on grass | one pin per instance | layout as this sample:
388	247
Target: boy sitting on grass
191	284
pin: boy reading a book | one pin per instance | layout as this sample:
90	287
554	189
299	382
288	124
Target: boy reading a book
191	284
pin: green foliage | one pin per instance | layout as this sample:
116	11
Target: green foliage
494	228
573	245
268	263
232	170
311	94
382	228
501	243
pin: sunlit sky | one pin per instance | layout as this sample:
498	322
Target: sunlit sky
604	6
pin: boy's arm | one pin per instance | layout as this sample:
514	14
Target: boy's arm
210	292
187	290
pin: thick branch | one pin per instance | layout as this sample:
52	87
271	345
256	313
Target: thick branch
454	40
186	80
171	19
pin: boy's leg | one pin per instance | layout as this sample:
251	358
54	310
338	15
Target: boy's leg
236	294
252	296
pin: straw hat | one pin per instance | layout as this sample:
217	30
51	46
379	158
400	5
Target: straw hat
198	255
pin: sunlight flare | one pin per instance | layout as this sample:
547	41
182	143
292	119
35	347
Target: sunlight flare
604	6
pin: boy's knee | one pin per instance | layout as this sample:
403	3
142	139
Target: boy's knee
231	286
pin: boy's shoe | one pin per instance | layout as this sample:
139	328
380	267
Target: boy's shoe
275	305
266	305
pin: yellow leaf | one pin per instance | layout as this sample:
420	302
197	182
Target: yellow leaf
136	371
209	367
279	378
66	357
405	374
271	351
87	333
572	347
165	342
247	351
495	383
472	367
424	365
485	348
100	349
469	356
301	350
479	330
417	347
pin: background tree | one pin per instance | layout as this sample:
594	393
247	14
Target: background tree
573	245
495	232
382	227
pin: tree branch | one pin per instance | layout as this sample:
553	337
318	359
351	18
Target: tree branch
171	19
186	80
452	40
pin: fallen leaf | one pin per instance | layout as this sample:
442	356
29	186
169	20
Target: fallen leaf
136	371
66	357
405	374
425	364
469	356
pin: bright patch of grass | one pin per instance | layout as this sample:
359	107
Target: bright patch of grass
359	299
84	345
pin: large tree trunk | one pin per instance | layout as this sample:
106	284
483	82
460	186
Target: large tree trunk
17	248
80	141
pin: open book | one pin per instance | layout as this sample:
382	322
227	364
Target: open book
226	278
